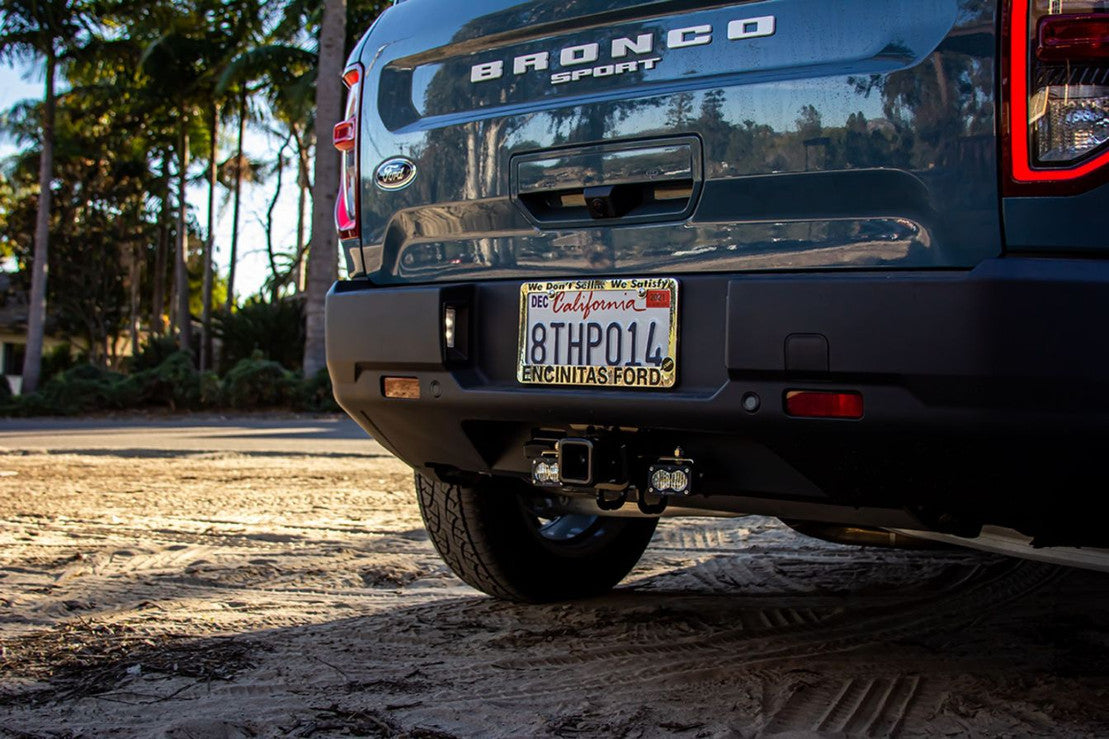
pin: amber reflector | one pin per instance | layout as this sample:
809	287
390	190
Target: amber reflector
401	387
824	404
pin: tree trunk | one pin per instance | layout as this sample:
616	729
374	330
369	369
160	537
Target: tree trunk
182	320
36	308
323	258
276	281
302	197
136	280
238	200
209	245
158	288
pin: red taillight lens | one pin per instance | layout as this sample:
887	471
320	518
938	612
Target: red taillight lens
1073	38
1058	89
824	404
344	135
345	138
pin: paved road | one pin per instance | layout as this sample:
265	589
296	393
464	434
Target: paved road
248	434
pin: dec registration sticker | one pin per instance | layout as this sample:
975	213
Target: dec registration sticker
605	333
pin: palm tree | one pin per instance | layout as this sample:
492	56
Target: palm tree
335	37
173	65
239	28
192	46
323	258
209	243
48	30
285	73
239	170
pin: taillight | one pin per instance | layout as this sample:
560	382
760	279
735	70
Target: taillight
346	141
1058	90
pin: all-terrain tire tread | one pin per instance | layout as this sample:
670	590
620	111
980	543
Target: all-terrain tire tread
489	538
448	522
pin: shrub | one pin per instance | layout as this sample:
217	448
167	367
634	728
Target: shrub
274	329
316	393
56	362
155	351
174	383
253	383
211	390
79	390
259	383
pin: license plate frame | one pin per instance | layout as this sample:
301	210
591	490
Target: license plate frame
650	366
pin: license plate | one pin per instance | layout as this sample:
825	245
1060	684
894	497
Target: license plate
607	333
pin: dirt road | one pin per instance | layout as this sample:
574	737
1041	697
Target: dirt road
292	591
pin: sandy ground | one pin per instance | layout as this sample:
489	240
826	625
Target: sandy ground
152	592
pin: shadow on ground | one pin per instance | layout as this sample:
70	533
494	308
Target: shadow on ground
970	645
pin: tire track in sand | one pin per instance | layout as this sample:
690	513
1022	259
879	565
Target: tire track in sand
620	671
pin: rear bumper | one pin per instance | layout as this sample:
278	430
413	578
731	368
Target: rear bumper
986	392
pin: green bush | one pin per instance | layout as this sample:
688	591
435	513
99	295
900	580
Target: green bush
5	392
316	393
155	351
274	329
259	383
211	390
81	389
253	383
175	383
56	362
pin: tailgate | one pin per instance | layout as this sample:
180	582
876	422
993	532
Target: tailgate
607	137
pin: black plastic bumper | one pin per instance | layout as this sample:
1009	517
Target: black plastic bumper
985	392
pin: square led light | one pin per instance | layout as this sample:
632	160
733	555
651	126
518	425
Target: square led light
544	471
670	477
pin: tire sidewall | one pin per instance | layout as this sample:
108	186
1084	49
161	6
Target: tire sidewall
541	569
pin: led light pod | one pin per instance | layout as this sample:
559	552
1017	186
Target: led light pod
544	471
670	476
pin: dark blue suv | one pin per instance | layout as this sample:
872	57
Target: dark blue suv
839	263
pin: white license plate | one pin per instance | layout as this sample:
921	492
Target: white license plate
607	333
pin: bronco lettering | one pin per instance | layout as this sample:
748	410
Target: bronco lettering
742	29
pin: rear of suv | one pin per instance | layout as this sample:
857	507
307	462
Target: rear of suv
839	263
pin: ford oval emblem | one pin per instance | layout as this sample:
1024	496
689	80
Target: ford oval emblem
395	174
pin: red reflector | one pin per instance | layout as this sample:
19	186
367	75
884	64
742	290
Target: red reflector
824	404
343	135
351	76
1075	37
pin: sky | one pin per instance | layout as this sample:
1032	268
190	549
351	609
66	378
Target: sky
19	83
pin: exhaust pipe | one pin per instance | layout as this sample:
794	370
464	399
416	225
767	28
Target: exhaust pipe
861	536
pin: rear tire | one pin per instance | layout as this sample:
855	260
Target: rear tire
492	540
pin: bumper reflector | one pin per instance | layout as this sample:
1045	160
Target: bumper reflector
824	404
401	387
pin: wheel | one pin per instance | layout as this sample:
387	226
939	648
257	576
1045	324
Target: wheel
490	537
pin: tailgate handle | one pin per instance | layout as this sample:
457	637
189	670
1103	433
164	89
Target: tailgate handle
629	182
